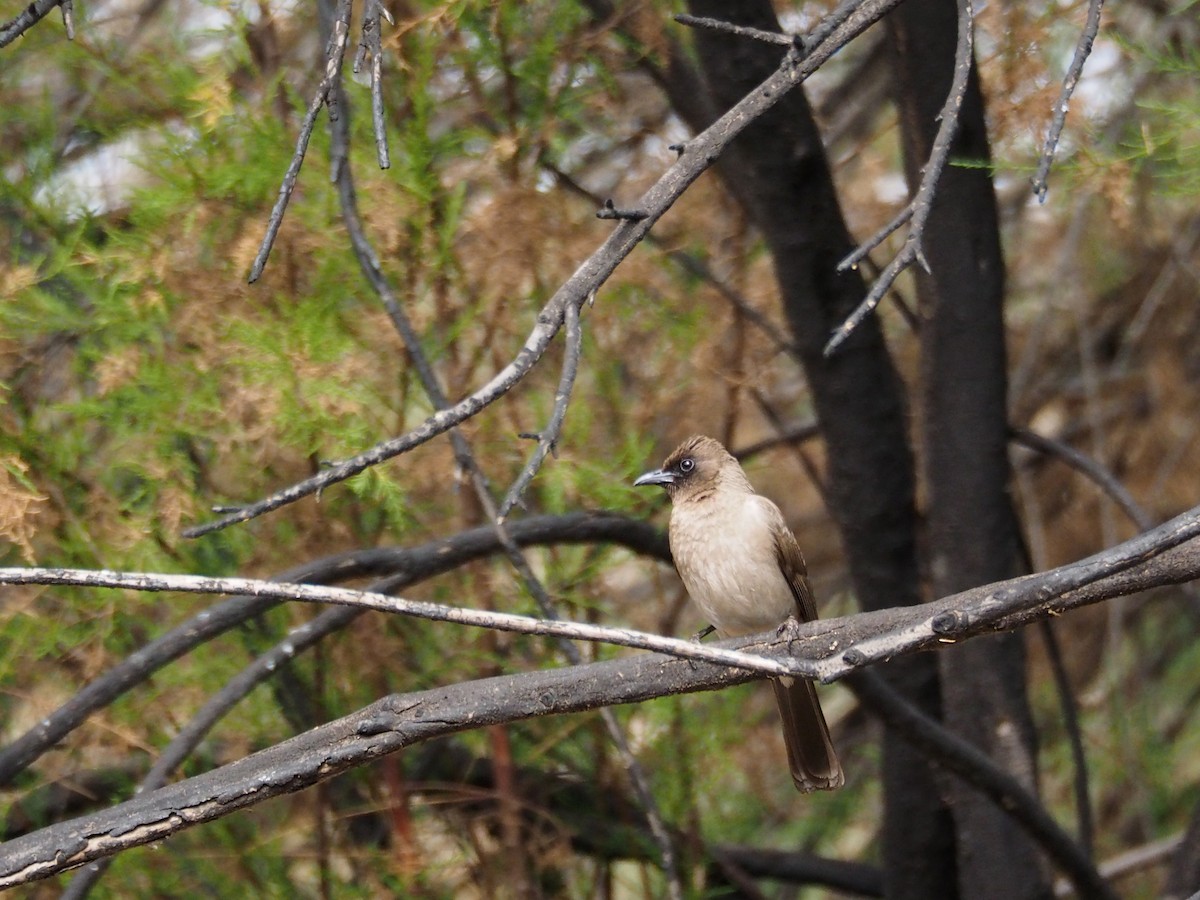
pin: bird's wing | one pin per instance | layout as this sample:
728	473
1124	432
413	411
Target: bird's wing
791	562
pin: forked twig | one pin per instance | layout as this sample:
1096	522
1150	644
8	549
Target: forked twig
325	95
921	205
548	437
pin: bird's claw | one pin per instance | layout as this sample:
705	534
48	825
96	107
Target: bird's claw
789	627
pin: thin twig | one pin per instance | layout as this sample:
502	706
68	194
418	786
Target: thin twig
420	609
699	155
781	429
922	203
851	260
325	94
1083	49
548	437
68	17
370	47
693	265
1094	470
1070	713
770	37
787	434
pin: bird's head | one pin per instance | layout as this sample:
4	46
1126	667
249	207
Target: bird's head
695	468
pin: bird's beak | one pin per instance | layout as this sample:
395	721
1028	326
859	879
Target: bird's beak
657	476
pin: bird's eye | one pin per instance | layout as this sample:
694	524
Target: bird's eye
686	464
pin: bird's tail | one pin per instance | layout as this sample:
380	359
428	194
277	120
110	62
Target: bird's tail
811	756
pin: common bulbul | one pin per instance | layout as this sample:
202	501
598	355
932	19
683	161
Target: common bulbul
742	567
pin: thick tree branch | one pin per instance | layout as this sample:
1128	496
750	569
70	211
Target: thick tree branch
399	567
396	722
998	606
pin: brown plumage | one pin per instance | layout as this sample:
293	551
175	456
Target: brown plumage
742	567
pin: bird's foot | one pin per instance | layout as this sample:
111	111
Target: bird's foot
789	628
698	637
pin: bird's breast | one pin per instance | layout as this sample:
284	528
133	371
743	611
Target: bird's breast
725	552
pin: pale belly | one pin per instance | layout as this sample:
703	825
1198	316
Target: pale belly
731	572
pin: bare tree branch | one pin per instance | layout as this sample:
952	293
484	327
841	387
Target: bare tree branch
399	721
401	566
697	156
324	95
317	755
1070	714
1083	49
370	48
999	606
694	266
1083	463
921	204
548	438
421	609
31	15
769	37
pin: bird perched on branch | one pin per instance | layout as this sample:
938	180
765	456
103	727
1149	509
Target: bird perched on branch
742	567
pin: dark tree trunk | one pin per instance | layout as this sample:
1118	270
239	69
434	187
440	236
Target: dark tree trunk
973	532
778	171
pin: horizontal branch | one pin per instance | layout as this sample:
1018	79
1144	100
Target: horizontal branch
1169	554
421	609
402	720
398	567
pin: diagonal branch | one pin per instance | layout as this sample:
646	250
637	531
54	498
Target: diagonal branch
697	156
325	94
1083	49
1008	603
31	15
548	437
921	205
978	769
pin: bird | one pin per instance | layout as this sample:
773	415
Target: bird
743	569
